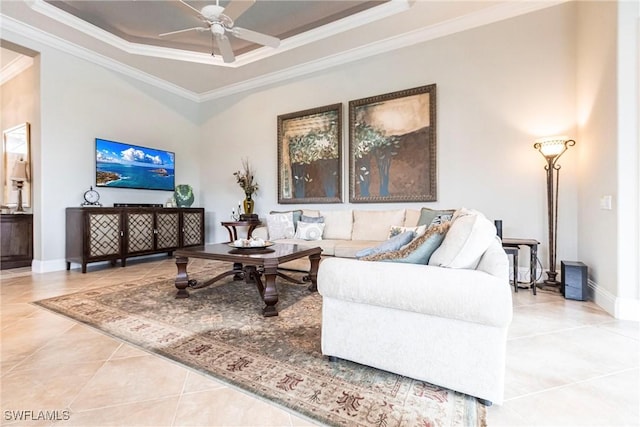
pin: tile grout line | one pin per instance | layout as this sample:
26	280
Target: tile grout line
572	383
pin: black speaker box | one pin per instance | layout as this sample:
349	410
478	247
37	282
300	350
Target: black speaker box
574	280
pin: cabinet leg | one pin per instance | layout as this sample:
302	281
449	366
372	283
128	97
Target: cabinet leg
68	266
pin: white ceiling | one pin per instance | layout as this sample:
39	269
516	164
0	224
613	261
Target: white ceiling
333	32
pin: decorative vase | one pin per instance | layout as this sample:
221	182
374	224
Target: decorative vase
248	204
183	195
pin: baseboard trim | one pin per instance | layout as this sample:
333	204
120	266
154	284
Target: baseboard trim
38	266
620	308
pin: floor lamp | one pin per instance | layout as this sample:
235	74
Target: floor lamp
552	148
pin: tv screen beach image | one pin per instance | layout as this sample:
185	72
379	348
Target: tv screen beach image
130	166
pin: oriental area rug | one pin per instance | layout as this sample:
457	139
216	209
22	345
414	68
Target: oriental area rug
220	331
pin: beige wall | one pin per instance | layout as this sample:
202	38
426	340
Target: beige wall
499	87
19	104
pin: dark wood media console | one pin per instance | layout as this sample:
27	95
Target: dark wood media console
110	234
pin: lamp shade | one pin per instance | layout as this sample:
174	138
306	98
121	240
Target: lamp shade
552	147
19	172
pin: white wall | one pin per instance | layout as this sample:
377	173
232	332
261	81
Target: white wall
80	101
499	87
607	80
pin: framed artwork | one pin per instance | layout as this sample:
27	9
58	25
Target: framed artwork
310	156
392	147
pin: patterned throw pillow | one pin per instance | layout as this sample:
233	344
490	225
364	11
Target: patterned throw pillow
428	215
439	219
280	226
393	244
309	230
309	219
419	250
396	229
297	214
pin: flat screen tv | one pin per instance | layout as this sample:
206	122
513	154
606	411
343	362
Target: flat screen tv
123	165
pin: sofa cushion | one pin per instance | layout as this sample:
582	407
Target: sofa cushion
411	217
470	235
327	246
392	244
338	224
427	215
374	225
280	226
419	250
349	248
309	230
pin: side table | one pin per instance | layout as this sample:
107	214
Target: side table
233	232
533	250
233	236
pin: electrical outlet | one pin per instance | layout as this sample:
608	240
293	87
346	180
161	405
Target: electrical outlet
605	203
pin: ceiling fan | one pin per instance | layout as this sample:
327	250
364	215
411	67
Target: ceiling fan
220	22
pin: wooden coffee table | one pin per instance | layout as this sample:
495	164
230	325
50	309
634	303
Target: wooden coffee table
248	265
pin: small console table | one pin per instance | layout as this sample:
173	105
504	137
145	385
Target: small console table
233	233
512	246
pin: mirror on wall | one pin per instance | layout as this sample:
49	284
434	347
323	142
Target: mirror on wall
17	167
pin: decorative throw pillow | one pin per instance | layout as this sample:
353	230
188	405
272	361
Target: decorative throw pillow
297	214
396	229
419	250
439	219
393	244
309	230
280	226
470	235
309	219
427	215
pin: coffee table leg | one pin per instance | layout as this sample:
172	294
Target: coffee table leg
182	278
313	273
270	294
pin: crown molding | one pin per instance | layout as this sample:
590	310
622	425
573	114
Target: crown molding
486	16
14	68
11	25
350	22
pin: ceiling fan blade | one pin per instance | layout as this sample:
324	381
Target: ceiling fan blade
255	37
225	48
183	31
235	8
190	7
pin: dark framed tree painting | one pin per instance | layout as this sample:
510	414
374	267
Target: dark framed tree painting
392	147
310	156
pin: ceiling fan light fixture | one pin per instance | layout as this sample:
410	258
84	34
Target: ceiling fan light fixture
217	28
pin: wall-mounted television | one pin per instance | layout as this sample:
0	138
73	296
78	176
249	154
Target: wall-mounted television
122	165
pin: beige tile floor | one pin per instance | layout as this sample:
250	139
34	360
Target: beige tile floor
568	364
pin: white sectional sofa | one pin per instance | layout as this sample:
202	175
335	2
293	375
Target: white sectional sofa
348	231
444	322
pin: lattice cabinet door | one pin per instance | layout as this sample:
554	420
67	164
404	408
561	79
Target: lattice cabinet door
192	227
104	234
167	230
140	231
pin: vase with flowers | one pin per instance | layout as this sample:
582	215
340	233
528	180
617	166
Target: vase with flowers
244	178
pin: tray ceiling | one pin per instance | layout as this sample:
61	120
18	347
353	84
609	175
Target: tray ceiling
315	35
